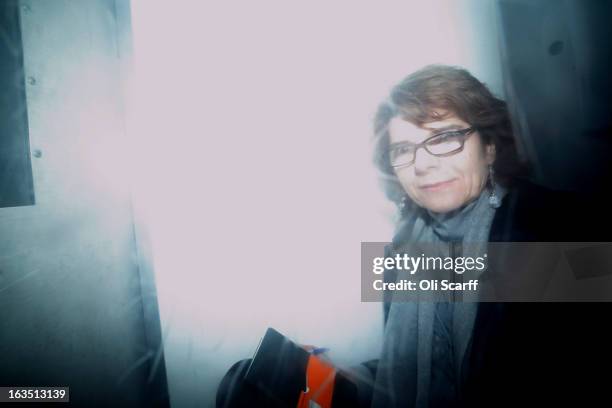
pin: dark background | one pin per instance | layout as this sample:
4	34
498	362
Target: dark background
16	186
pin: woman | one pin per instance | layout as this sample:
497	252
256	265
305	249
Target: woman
446	154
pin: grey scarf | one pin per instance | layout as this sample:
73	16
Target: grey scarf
404	371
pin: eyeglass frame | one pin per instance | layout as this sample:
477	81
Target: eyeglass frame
465	133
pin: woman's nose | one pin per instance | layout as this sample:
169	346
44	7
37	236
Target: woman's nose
424	161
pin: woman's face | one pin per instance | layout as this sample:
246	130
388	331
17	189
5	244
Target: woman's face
442	184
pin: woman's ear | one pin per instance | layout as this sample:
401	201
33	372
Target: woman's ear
490	153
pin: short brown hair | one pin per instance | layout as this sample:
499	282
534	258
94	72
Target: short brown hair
423	95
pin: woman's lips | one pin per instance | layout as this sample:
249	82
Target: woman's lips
437	186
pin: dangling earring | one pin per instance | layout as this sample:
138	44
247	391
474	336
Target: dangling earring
494	200
402	204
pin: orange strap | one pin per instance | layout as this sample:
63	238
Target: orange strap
320	378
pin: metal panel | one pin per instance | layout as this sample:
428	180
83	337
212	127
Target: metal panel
557	56
16	187
70	288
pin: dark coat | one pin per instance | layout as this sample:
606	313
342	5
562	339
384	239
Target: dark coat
523	354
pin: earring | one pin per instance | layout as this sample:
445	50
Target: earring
494	200
402	204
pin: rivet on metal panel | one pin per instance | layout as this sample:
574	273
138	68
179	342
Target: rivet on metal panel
31	80
37	153
555	48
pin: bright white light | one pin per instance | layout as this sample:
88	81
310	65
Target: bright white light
251	122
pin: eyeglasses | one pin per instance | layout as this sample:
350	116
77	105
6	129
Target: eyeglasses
441	145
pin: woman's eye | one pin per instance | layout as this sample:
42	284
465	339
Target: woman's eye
402	150
445	137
